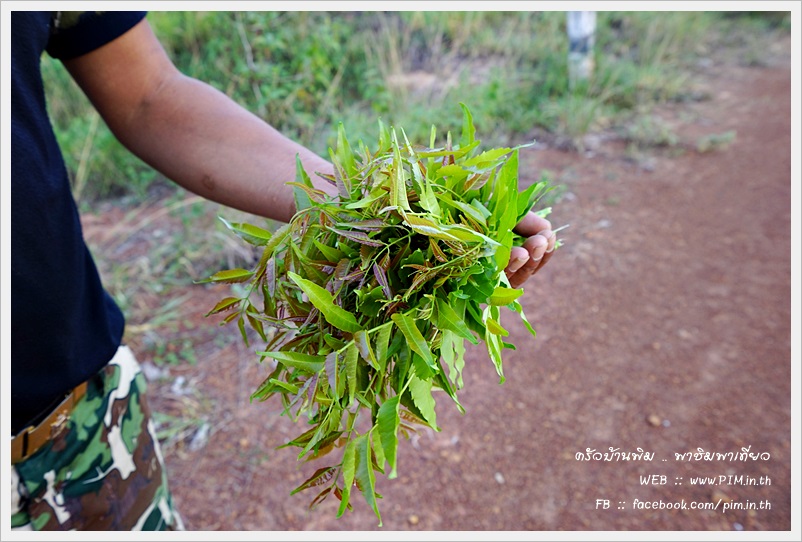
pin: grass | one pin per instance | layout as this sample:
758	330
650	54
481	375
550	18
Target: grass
306	71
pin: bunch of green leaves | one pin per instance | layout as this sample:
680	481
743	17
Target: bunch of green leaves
371	295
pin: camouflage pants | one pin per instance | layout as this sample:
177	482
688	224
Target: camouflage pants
105	470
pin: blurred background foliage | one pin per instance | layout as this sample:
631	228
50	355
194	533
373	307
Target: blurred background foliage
304	72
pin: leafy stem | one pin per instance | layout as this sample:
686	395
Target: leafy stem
371	295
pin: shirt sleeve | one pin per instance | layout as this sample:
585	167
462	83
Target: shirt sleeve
75	33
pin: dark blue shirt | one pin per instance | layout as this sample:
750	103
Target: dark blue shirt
64	326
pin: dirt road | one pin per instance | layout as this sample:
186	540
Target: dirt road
664	325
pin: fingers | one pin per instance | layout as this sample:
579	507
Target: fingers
534	248
529	258
518	258
531	224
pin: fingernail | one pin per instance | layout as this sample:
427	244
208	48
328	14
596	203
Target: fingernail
536	260
517	263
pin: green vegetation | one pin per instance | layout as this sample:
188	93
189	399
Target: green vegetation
306	71
368	298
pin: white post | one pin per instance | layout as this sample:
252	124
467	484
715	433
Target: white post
581	38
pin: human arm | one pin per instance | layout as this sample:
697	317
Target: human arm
189	131
210	145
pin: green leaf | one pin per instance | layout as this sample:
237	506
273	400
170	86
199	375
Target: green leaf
311	194
349	470
520	310
414	337
373	295
266	388
256	325
494	348
469	210
374	195
424	371
459	361
504	296
456	153
495	328
486	160
448	319
230	276
508	194
364	473
306	362
479	290
468	129
378	450
334	417
333	342
387	423
302	439
369	303
341	179
381	278
249	233
351	358
358	236
319	435
425	193
398	184
452	350
455	232
385	139
330	366
227	303
447	353
528	198
278	237
331	254
470	236
442	382
421	391
243	333
493	338
382	344
371	224
503	253
291	388
505	234
302	200
427	198
344	152
324	302
424	226
362	342
452	170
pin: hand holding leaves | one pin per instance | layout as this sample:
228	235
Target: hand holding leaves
534	252
365	300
